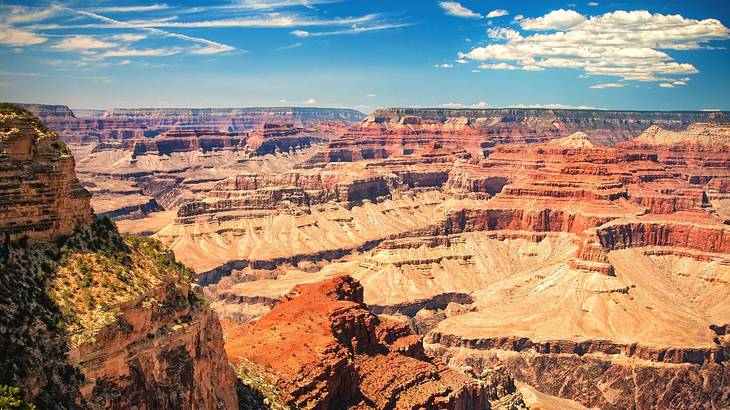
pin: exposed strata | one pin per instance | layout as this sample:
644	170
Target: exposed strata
172	154
136	123
91	319
40	197
509	237
572	264
348	356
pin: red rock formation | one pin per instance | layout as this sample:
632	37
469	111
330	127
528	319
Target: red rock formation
346	356
160	355
40	197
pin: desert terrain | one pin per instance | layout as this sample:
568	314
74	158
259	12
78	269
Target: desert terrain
584	254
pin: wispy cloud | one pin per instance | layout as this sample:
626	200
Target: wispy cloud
205	47
290	46
454	8
18	37
82	43
497	13
608	85
480	104
310	101
129	9
352	30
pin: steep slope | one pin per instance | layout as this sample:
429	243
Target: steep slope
89	318
347	357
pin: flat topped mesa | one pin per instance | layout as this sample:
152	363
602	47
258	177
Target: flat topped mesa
576	140
696	134
40	197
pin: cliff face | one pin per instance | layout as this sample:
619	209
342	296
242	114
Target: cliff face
40	199
89	318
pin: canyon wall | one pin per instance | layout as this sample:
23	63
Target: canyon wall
92	319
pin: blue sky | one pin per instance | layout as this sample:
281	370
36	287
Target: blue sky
649	55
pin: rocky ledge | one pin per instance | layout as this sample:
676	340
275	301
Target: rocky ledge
349	357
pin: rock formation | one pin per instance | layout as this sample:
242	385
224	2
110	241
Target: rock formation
41	198
348	357
91	319
568	262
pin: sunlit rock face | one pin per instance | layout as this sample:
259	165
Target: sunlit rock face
92	319
569	262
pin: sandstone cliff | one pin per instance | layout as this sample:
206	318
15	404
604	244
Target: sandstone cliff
91	319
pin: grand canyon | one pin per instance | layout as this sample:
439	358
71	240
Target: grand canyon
331	204
411	258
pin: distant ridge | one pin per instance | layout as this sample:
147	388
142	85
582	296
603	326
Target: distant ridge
58	110
443	113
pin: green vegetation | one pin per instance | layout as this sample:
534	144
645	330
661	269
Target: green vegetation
100	269
255	389
9	108
57	295
10	398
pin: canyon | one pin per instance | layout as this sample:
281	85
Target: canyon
412	258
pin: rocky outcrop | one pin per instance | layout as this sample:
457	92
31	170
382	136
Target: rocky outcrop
91	319
162	352
347	356
40	197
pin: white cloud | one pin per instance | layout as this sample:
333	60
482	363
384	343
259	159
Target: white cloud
497	13
20	14
555	20
16	37
310	101
129	9
556	106
128	37
666	85
454	8
80	43
353	30
371	95
628	45
290	46
125	62
147	52
518	18
271	20
607	85
711	109
462	61
498	66
480	104
282	101
592	4
444	65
